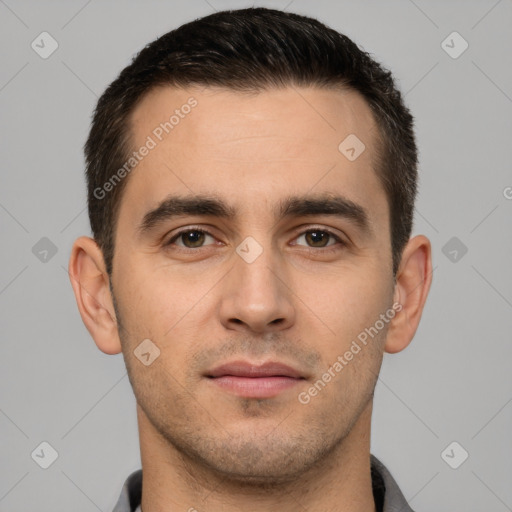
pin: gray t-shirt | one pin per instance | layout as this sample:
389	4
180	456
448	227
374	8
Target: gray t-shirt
386	493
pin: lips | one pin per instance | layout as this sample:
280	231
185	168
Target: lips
249	380
248	370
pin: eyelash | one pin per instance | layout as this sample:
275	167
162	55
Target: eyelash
327	249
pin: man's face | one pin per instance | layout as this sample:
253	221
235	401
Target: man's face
279	280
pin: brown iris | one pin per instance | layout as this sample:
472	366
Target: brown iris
317	238
192	239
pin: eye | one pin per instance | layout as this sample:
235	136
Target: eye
195	238
318	238
190	238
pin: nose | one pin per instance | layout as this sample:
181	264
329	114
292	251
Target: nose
257	297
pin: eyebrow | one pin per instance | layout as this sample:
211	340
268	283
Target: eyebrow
292	206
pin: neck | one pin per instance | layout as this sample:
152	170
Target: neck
340	482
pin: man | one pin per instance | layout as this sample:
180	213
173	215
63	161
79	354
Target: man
251	184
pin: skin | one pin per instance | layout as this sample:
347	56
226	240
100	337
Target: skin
299	302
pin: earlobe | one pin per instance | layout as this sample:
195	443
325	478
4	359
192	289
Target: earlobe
411	290
92	292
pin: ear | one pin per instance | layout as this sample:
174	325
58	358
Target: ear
413	281
89	279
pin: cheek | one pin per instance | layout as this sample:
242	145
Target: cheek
162	302
346	301
352	353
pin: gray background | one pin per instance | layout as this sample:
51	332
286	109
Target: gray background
452	384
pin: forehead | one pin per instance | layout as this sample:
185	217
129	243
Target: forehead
313	114
253	147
